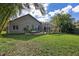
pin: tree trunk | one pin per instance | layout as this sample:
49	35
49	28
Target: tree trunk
5	19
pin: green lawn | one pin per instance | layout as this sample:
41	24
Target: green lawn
51	44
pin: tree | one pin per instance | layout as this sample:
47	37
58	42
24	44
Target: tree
9	10
63	22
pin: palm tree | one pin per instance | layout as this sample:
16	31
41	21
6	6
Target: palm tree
9	10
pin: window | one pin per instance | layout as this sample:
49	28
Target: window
15	27
39	27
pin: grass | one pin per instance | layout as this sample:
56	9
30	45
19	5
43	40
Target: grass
46	45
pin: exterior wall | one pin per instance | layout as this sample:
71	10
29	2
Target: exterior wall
22	23
47	27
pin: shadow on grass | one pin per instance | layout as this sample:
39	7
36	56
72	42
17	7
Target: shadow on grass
31	36
20	36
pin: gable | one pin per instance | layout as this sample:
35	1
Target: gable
25	17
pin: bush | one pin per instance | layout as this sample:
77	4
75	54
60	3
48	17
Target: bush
26	30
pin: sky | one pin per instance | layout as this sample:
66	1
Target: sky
53	8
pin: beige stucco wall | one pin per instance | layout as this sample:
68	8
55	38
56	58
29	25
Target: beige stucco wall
22	23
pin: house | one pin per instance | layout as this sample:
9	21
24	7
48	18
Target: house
21	24
25	22
46	26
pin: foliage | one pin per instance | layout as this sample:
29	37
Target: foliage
63	22
7	11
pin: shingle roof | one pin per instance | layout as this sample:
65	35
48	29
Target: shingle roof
25	16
